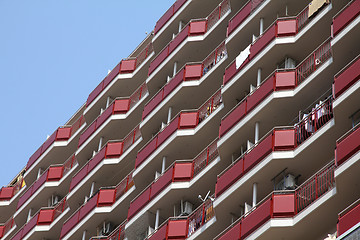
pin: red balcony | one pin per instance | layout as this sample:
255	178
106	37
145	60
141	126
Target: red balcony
278	81
125	66
117	234
345	16
179	171
44	216
52	173
6	193
168	14
347	145
347	76
193	28
113	149
61	134
118	106
348	218
6	227
280	28
104	197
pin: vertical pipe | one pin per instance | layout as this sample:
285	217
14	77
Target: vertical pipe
175	68
169	114
84	235
39	173
254	194
157	219
29	215
181	24
163	165
92	188
256	132
258	79
107	101
261	25
100	143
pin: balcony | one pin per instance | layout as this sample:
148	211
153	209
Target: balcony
114	83
348	222
105	203
342	19
102	164
7	228
52	151
36	195
117	234
206	31
10	193
119	110
42	222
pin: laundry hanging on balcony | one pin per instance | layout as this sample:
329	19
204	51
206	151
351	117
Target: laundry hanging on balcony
242	56
315	5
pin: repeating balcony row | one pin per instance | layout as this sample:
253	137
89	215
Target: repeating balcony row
118	106
345	17
347	219
282	204
104	197
179	171
113	149
279	80
282	27
44	216
277	140
193	28
125	66
61	134
6	193
168	14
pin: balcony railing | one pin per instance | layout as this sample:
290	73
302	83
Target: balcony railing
112	149
193	28
128	65
103	197
348	218
6	227
347	145
277	81
184	227
349	75
117	234
45	216
280	204
344	17
168	14
289	26
276	140
51	174
61	134
118	106
179	171
6	193
190	72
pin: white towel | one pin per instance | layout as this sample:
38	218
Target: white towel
242	56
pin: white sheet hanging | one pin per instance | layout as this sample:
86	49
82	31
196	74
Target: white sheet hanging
242	56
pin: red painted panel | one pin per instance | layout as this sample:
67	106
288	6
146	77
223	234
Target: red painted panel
239	18
285	80
150	106
127	66
39	182
163	20
121	106
24	197
161	183
69	224
88	207
230	72
160	234
6	193
114	149
95	93
54	173
45	216
111	76
193	72
159	59
145	152
183	171
104	116
284	205
255	219
198	27
2	228
258	153
18	236
234	117
344	18
48	142
139	203
284	139
87	133
286	27
63	134
178	4
96	159
348	146
177	229
179	77
347	78
188	120
229	177
33	158
178	39
263	41
30	225
78	177
168	131
260	94
349	220
106	197
232	234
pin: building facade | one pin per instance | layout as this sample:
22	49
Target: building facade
233	119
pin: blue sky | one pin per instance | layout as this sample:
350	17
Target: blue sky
52	55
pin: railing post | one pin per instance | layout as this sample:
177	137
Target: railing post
316	186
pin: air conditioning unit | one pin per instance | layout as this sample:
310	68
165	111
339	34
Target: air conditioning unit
106	229
287	183
187	208
150	230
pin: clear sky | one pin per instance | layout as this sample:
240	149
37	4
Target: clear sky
53	53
